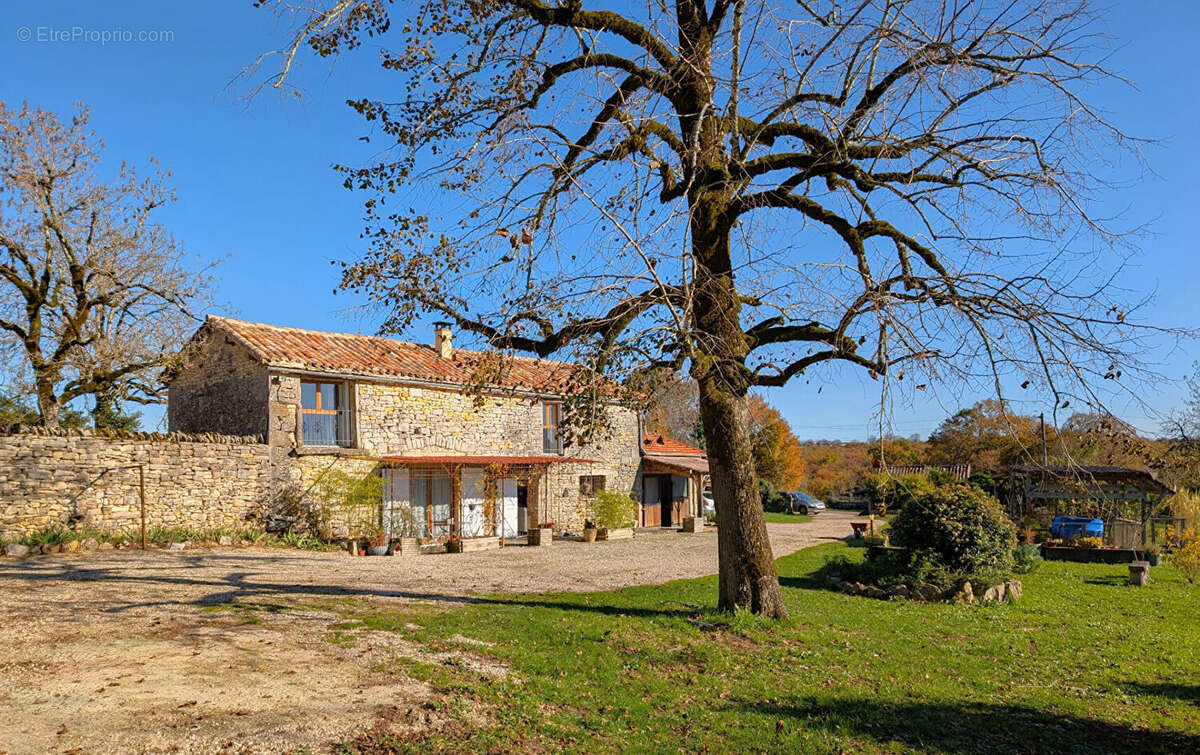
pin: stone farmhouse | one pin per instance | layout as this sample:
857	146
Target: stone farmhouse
468	443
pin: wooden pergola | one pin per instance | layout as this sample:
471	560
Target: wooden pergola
1126	499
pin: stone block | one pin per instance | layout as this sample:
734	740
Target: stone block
994	594
1139	573
964	594
16	549
693	524
1013	590
540	536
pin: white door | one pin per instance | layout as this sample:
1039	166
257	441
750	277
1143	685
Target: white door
473	519
508	490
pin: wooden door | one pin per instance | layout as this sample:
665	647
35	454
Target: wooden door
651	506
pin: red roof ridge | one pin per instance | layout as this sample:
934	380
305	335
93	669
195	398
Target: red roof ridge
355	354
230	324
661	444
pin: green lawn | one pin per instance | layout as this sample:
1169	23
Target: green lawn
1084	663
780	518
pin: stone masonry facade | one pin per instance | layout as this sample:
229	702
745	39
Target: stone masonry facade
83	479
394	419
224	387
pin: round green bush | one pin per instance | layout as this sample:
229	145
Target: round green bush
962	527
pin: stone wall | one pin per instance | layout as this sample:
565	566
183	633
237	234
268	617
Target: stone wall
393	419
191	481
221	390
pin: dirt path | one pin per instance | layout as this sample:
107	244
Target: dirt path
138	652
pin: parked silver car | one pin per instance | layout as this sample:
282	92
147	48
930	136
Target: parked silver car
800	502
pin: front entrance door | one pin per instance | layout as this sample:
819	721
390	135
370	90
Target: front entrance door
507	488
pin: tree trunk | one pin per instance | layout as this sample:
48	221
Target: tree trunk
748	578
104	413
48	404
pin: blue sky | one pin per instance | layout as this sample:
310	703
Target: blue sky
256	186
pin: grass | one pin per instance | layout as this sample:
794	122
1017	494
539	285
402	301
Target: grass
1084	663
777	517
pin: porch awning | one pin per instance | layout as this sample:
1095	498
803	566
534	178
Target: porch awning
687	463
484	460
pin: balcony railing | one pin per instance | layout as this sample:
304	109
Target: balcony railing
551	443
327	428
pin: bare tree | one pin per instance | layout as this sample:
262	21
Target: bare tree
748	190
673	409
95	296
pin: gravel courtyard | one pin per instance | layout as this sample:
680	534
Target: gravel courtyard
229	650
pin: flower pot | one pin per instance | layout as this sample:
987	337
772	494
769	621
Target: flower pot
616	533
454	546
406	546
1155	559
589	534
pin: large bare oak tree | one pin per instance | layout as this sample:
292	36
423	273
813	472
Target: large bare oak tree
748	190
96	297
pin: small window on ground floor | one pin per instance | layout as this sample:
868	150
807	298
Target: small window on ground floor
590	484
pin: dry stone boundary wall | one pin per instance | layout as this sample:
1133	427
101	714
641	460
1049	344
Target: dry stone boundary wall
89	479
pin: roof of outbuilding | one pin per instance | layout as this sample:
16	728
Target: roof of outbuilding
359	355
661	445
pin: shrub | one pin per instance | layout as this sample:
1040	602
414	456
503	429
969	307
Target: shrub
958	526
355	501
612	510
1026	558
51	534
771	499
983	481
1186	557
894	493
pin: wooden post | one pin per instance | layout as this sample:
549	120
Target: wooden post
142	496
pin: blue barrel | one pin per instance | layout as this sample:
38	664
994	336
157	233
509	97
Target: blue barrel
1075	527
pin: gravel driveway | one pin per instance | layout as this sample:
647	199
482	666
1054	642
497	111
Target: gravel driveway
124	651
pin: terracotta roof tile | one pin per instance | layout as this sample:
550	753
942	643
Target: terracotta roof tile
653	443
348	354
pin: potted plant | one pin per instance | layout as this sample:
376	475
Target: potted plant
1154	554
454	543
379	545
403	526
543	534
589	531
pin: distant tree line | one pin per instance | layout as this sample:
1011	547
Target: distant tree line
988	435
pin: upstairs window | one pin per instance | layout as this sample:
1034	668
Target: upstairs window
325	414
551	418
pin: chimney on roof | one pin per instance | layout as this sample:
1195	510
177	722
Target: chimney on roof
443	339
